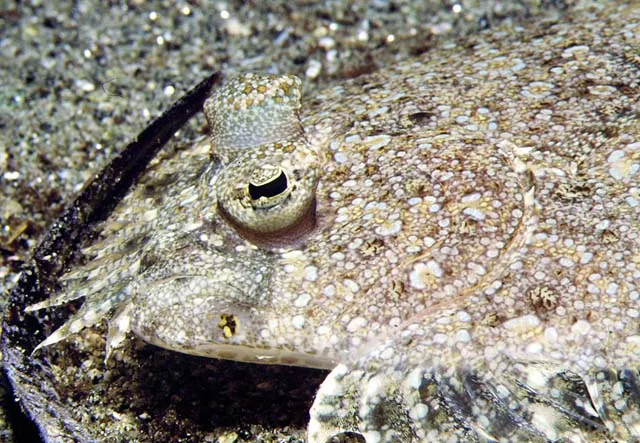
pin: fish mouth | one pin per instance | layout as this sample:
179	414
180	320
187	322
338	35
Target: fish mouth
247	354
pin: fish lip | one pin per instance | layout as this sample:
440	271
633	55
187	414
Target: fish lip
251	354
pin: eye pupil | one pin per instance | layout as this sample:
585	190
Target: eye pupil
269	189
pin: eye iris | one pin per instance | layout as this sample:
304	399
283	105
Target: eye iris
269	189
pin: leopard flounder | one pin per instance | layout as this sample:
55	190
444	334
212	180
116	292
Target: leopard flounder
456	236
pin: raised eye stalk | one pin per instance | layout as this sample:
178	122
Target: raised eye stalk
251	110
267	185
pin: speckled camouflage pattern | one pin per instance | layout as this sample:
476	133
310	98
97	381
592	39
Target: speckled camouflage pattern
473	269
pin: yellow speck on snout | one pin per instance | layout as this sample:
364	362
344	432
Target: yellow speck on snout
229	324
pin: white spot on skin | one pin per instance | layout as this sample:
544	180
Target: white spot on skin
329	291
311	273
377	141
615	156
602	90
612	288
524	323
387	353
586	258
351	285
354	138
537	90
337	256
578	51
389	228
474	213
471	197
435	268
535	348
422	273
440	338
356	324
298	321
302	301
378	111
581	327
462	119
593	289
414	379
621	166
375	387
428	241
340	157
463	336
419	411
566	262
551	335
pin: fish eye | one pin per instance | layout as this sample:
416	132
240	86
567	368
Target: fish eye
269	190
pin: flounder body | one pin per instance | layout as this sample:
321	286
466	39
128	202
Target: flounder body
457	237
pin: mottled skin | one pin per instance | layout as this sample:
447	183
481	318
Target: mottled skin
470	261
